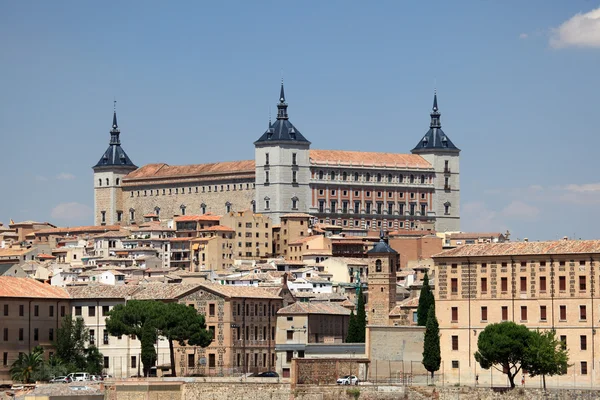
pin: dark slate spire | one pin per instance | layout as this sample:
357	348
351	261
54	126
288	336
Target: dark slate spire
282	129
382	246
435	138
115	155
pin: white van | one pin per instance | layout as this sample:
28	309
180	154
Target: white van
79	376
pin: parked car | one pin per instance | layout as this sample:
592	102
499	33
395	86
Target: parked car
106	376
268	374
79	376
348	380
61	379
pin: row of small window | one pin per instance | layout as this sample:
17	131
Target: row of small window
205	189
368	208
562	313
333	175
36	334
104	337
117	181
6	360
36	310
254	361
294	177
248	225
523	264
182	208
251	311
294	159
92	311
367	224
253	333
379	194
249	245
543	286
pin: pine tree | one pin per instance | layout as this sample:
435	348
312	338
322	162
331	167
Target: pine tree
352	336
361	318
431	344
426	300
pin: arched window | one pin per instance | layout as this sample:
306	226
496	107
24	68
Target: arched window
356	176
422	178
412	179
378	177
117	181
400	178
203	208
332	175
368	177
377	265
344	176
182	208
389	178
320	174
99	182
107	182
157	210
228	207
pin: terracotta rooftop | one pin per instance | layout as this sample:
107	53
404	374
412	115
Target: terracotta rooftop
29	288
166	291
296	215
408	232
341	157
314	308
203	217
14	252
249	292
162	170
524	248
474	235
114	234
78	229
100	291
45	256
217	228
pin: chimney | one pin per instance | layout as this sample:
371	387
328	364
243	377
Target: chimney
565	238
526	240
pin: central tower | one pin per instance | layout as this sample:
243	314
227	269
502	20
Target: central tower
282	167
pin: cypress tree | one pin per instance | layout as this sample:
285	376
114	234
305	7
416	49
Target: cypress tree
361	318
431	343
426	301
352	336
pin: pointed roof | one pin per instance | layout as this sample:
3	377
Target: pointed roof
282	129
381	246
435	138
115	156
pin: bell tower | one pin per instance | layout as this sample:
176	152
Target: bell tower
383	265
108	178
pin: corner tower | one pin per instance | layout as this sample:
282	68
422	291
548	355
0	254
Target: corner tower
383	264
282	167
437	148
108	177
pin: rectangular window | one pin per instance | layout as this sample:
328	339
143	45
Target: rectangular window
51	334
191	360
21	310
6	310
523	313
454	342
78	311
5	359
543	316
211	310
542	283
562	283
454	314
133	361
288	356
584	368
504	284
290	335
211	329
105	310
92	336
91	311
484	287
21	334
562	315
523	284
36	334
504	313
5	334
51	311
294	159
454	285
105	337
357	207
106	362
62	311
212	361
582	283
582	313
36	311
454	364
484	315
583	342
563	340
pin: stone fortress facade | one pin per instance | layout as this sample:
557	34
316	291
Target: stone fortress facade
353	189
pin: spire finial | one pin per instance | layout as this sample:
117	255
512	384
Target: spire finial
435	106
281	93
282	105
270	116
114	124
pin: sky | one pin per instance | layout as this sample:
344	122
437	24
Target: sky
517	84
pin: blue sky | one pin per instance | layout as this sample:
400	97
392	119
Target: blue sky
517	82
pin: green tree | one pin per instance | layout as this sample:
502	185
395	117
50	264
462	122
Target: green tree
148	320
352	335
26	366
504	347
361	318
426	300
431	344
93	360
70	342
545	355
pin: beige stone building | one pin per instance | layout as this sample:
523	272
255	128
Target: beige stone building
370	190
253	234
30	315
542	285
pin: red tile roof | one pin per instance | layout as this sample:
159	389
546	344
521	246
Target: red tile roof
341	157
556	247
11	286
217	228
322	307
203	217
48	256
79	229
162	170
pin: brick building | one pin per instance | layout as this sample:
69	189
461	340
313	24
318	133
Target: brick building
370	190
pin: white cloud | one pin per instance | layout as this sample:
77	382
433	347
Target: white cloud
585	188
71	212
581	30
523	36
65	176
476	217
520	209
